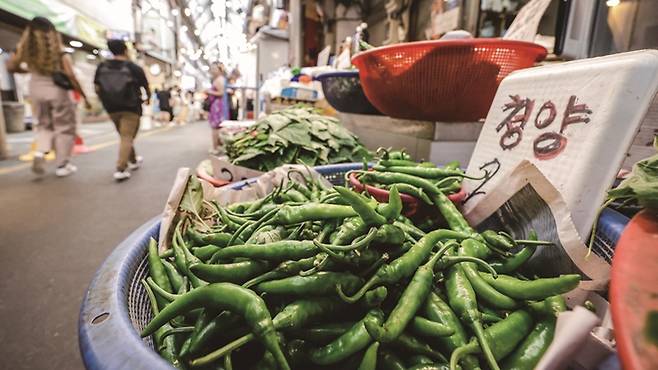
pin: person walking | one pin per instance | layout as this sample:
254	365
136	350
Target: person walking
40	51
164	100
217	110
119	83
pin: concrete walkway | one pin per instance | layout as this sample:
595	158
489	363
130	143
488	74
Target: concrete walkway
55	233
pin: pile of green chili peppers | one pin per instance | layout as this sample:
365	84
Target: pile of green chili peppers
311	277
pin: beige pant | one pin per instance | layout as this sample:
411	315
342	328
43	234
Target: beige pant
55	116
127	125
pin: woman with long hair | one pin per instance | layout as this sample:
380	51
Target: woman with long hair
40	53
217	112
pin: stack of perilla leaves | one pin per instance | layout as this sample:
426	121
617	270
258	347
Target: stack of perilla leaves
293	135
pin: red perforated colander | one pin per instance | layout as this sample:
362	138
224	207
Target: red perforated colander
444	80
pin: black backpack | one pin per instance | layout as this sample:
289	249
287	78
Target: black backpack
117	85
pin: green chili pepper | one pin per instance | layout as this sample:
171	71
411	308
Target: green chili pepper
230	297
352	341
428	328
389	361
320	283
206	252
413	345
359	243
183	257
424	172
529	352
369	361
322	334
236	272
511	264
392	210
217	239
416	360
175	278
551	306
484	291
533	289
405	265
292	215
497	240
349	230
220	323
463	301
502	337
415	192
296	195
165	345
409	229
226	219
413	296
157	270
284	269
277	251
361	206
294	315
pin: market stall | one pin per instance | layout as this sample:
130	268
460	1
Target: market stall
378	260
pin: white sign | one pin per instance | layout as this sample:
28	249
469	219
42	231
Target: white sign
225	170
525	24
574	121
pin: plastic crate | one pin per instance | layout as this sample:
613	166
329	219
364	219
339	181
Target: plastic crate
344	92
444	80
116	308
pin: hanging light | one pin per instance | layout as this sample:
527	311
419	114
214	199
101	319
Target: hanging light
187	11
612	3
75	43
183	28
197	32
175	12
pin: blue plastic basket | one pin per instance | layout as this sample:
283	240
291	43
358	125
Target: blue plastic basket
116	308
343	91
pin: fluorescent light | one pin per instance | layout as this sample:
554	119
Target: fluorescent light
205	68
612	3
183	28
95	51
187	11
178	73
68	50
175	12
91	57
197	32
75	43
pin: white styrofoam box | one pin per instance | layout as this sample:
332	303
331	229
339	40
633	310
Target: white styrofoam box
444	152
574	121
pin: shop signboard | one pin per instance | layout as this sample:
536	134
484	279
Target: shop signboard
574	121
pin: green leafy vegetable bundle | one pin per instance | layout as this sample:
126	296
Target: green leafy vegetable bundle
292	135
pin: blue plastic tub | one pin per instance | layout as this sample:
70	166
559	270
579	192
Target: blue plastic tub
115	307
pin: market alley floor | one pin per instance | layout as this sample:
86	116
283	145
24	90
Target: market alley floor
55	233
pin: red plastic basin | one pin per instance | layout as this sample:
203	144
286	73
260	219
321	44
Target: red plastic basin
442	80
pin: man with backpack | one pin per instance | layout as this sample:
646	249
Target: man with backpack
119	83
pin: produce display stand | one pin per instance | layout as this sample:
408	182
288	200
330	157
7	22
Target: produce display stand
115	307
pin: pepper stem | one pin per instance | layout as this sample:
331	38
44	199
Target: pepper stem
353	299
361	242
219	353
456	259
461	352
484	346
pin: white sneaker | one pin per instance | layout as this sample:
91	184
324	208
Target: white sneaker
122	175
134	166
37	163
67	170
